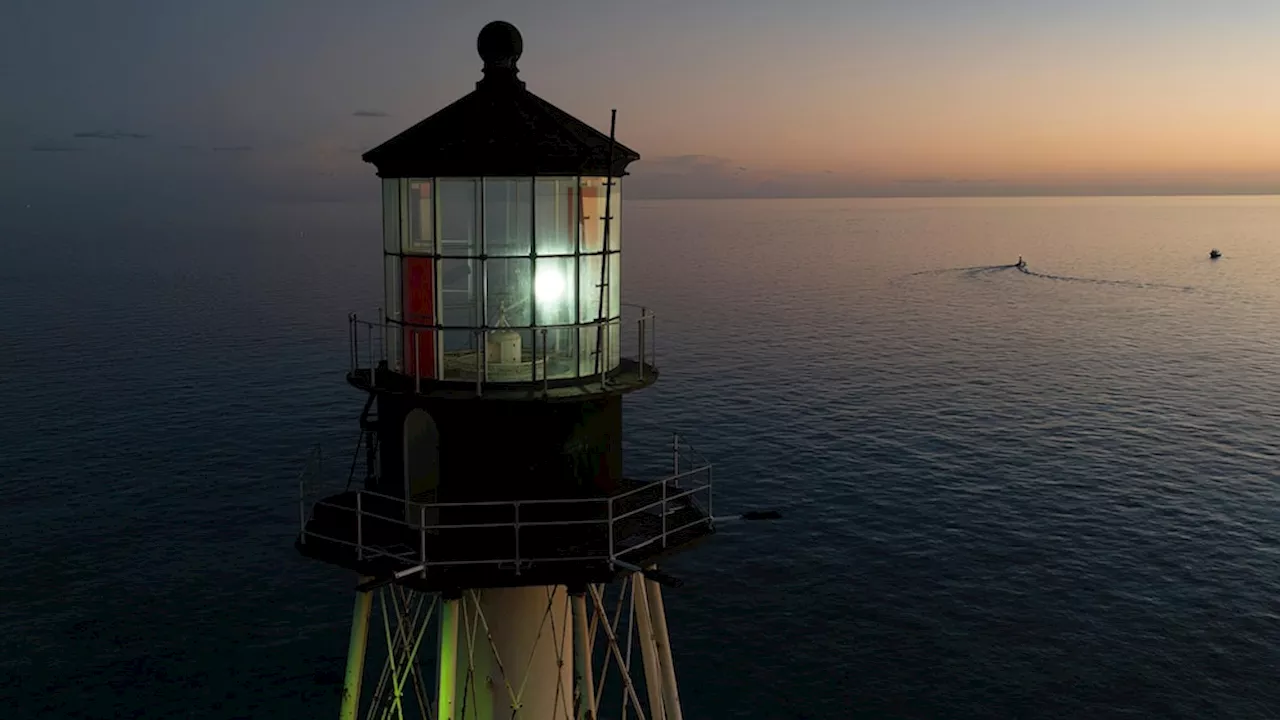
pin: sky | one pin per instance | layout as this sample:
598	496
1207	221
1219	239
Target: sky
722	98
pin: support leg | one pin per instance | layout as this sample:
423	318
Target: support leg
355	656
658	614
648	655
448	663
584	682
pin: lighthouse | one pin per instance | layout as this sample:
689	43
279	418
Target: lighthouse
506	562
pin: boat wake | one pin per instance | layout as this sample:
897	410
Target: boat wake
982	271
969	271
1099	281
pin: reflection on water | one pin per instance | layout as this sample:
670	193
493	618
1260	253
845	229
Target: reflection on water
1039	493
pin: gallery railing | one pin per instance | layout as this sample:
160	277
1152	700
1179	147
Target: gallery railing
379	345
643	517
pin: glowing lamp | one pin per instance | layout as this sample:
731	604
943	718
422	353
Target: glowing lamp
548	286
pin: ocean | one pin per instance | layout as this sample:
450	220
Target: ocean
1027	493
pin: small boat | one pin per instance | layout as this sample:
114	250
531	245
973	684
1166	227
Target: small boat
1214	254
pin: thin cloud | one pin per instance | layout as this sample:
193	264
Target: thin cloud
104	135
370	114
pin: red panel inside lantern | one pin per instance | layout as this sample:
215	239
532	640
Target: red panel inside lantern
419	309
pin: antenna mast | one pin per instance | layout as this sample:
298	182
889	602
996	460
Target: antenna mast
602	311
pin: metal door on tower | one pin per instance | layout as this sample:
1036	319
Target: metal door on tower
421	465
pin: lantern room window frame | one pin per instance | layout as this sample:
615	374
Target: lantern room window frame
443	330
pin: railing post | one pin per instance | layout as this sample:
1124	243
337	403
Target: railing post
417	374
355	341
359	527
351	340
643	319
373	366
544	361
480	358
611	533
517	526
664	513
675	453
422	537
711	486
302	505
382	331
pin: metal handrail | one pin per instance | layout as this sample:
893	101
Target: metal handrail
602	501
371	341
416	510
661	503
675	478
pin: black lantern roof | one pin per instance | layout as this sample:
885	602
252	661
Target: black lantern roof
500	129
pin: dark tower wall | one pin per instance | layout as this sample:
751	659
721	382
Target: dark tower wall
494	450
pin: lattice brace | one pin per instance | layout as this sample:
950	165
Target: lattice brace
401	671
637	620
598	616
614	647
531	653
518	659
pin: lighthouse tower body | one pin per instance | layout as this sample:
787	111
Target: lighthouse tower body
510	559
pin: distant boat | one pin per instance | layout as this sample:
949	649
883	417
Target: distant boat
1214	254
1023	263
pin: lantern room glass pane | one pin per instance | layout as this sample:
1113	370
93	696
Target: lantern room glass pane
392	339
391	215
560	360
589	267
615	212
460	292
509	292
391	307
391	303
591	232
614	348
508	216
556	214
459	356
553	286
420	235
419	351
459	221
587	337
615	285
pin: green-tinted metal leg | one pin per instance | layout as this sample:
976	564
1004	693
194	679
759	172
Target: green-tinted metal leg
355	656
446	690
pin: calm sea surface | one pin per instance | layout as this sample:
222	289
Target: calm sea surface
1052	493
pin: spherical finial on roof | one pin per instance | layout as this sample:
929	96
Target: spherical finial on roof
500	44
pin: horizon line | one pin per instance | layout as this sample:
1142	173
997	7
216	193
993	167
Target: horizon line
965	196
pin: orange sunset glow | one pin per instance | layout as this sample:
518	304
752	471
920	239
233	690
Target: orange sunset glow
820	98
